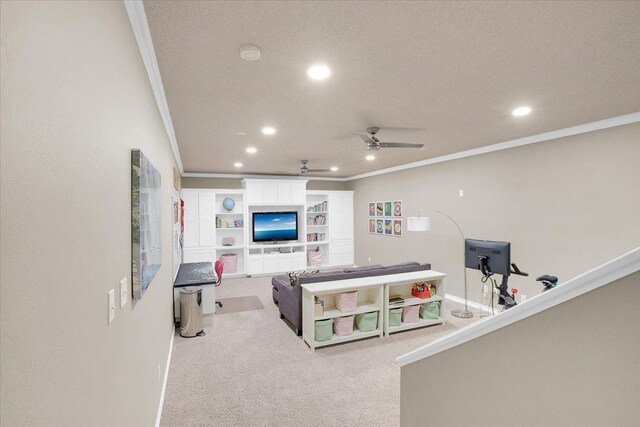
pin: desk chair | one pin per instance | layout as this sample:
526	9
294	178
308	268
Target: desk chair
218	266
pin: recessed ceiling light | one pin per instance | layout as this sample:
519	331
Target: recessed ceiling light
318	72
241	133
237	165
370	157
268	130
249	52
252	150
521	111
334	168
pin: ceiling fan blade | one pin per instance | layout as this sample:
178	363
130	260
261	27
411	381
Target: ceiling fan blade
319	170
399	145
366	138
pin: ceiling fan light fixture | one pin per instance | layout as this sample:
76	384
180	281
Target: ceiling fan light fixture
318	72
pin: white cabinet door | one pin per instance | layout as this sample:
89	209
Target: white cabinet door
341	215
206	219
190	218
284	193
253	193
298	193
341	259
299	261
270	263
199	255
269	193
285	263
254	265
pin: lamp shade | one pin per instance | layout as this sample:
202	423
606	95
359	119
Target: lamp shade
418	223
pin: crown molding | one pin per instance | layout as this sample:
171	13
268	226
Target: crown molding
560	133
140	26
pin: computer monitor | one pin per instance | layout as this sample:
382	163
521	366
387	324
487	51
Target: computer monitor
487	255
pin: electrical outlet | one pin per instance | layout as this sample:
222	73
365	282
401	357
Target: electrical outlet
124	292
461	193
112	306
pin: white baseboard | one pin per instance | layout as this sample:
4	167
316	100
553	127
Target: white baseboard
166	376
471	304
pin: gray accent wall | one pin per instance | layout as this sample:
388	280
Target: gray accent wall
575	364
75	100
566	205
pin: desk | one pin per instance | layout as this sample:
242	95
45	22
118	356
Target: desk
196	274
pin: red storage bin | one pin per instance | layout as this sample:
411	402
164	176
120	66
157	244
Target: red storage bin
411	313
343	325
424	294
347	302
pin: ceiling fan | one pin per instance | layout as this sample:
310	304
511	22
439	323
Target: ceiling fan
304	170
374	144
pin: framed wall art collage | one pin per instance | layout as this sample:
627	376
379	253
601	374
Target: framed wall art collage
385	218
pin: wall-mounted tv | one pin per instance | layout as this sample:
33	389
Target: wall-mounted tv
275	226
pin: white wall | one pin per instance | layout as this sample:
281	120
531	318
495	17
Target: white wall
576	364
75	100
566	205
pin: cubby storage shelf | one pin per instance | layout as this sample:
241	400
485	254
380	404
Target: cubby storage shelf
420	323
416	301
373	296
357	334
365	308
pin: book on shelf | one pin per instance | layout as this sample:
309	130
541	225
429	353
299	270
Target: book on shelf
320	207
315	237
317	220
395	300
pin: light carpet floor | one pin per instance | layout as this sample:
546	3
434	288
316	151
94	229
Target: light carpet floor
251	370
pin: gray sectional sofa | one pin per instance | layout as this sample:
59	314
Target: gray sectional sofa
288	297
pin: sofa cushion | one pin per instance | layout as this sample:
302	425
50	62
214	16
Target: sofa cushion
403	264
363	268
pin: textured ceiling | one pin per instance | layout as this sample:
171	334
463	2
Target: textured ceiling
449	73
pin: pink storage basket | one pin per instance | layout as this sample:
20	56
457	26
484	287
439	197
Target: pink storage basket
347	302
411	313
314	258
230	262
343	325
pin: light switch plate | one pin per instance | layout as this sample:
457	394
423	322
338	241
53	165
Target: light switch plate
124	292
112	305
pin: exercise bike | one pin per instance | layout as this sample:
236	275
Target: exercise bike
549	282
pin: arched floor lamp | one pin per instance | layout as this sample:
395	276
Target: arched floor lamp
423	223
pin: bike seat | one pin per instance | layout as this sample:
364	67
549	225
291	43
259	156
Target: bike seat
547	278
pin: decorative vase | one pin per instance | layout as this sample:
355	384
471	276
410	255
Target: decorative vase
228	204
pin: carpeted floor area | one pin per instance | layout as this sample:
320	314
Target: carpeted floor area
251	370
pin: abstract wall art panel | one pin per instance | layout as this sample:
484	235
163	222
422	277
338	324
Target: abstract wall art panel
146	236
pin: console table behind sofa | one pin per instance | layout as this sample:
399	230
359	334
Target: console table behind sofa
374	297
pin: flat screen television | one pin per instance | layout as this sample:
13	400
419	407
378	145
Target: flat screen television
275	226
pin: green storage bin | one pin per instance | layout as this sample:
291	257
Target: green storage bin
324	330
430	310
366	322
395	316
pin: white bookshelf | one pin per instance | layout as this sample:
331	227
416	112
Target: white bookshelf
373	296
404	290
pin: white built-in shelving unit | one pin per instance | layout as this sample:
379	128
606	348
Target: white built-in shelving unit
207	224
